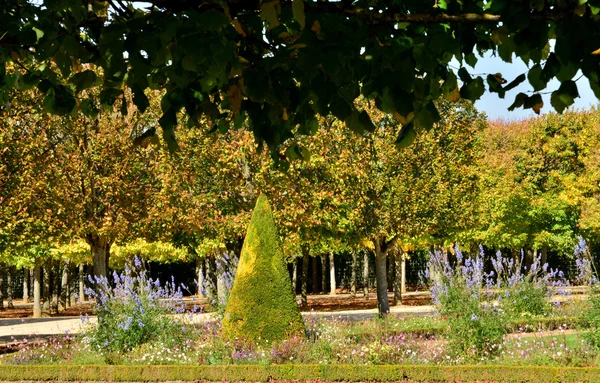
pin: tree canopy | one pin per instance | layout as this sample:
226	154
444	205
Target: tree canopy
278	64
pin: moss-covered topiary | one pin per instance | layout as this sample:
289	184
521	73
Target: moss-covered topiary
261	305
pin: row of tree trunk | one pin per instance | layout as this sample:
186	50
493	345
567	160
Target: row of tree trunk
210	284
53	286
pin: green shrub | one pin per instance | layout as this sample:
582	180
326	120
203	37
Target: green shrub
261	306
591	319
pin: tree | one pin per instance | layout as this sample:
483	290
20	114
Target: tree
534	181
281	63
74	176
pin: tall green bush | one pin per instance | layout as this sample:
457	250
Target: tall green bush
261	305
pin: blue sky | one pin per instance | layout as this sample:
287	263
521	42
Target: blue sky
497	108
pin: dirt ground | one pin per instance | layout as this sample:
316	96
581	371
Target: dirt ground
315	303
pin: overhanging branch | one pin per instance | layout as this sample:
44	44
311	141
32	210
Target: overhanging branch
373	16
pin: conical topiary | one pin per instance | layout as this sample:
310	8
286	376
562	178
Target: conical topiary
261	305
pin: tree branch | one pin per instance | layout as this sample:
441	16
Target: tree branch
374	16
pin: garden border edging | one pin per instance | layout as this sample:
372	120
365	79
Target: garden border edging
255	373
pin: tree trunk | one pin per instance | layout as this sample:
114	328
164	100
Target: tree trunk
46	286
26	273
55	287
323	272
2	272
9	287
353	273
64	287
366	274
37	302
222	289
331	274
315	276
294	275
398	258
529	257
200	277
81	278
304	288
74	285
381	276
211	280
391	272
544	259
100	248
403	273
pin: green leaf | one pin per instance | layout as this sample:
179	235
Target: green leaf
567	71
538	5
139	98
28	81
60	101
565	96
450	90
471	59
534	102
366	121
406	136
427	116
519	101
309	127
109	96
535	78
401	44
464	75
474	90
168	122
63	62
88	108
507	49
298	12
514	83
340	108
83	80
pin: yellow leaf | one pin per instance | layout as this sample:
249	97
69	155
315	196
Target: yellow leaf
235	99
316	27
238	27
269	11
537	107
499	78
298	11
453	96
596	52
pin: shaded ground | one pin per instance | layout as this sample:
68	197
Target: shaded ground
326	303
346	302
25	311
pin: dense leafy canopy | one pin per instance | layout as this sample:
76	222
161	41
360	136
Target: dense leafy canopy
282	63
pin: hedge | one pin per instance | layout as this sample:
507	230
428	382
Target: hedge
259	373
512	326
261	305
